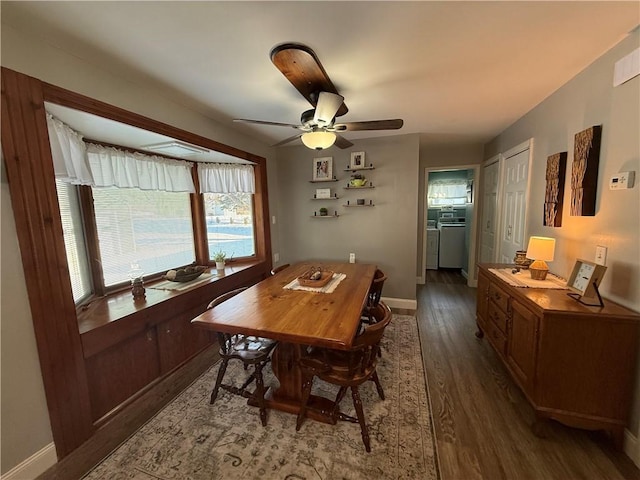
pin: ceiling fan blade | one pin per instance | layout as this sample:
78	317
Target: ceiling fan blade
328	105
342	142
287	140
263	122
393	124
302	68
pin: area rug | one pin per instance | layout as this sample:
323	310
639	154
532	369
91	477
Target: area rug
190	439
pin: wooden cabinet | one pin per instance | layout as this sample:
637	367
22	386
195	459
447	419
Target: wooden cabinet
574	363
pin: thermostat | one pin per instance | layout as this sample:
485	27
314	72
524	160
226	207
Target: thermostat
622	180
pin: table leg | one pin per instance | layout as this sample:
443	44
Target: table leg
287	397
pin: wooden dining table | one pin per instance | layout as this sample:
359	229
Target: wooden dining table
297	319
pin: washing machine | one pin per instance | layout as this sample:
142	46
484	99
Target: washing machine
452	248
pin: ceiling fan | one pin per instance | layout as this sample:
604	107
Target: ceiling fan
318	126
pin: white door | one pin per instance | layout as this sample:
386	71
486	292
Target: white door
490	176
514	204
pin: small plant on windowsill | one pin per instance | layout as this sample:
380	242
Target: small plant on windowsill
219	257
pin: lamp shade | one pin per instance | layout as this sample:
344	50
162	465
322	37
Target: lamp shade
541	248
318	140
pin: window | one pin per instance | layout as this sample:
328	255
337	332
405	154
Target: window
230	224
447	192
74	240
151	228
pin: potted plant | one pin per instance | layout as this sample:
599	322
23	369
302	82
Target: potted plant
323	212
219	257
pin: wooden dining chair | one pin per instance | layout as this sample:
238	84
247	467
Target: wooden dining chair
251	351
373	297
279	269
347	369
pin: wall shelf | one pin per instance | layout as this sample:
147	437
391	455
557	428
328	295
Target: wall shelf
371	167
356	205
330	198
358	188
335	215
324	181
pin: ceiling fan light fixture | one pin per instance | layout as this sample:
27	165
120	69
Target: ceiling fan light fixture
318	139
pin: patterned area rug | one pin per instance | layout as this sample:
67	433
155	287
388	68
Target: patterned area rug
190	439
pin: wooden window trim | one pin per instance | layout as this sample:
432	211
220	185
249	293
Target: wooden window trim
28	162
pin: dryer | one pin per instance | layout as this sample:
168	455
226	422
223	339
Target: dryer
452	244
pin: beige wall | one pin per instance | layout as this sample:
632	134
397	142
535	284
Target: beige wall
384	234
590	99
25	421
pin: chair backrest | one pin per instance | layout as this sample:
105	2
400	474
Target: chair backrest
225	296
363	356
279	269
225	340
375	290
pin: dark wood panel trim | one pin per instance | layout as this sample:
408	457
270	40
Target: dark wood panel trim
27	156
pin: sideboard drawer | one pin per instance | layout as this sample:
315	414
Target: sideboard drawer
499	296
498	317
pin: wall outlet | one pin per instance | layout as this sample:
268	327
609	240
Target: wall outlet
601	255
352	258
273	219
276	257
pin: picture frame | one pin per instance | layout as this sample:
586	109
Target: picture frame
357	160
584	281
323	193
322	169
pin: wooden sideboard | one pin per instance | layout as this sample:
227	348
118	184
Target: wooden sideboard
574	363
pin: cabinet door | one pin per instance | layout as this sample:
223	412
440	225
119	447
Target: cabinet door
522	345
116	374
178	341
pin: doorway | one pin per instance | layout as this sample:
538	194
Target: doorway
452	207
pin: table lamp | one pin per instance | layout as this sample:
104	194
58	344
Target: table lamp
540	250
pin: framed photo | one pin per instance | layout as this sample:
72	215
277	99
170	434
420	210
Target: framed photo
584	280
322	168
357	160
323	193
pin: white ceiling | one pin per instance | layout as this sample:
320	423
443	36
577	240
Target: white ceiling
454	71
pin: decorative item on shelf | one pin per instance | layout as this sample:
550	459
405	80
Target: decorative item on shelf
323	193
220	257
584	281
322	169
360	201
584	171
540	250
136	275
521	260
357	160
357	180
185	274
315	277
323	212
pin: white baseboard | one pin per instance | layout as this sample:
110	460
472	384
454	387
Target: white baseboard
632	447
404	303
34	466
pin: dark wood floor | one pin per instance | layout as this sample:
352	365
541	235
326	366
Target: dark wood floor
482	420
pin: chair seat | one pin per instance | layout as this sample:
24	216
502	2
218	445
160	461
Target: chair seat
250	348
336	367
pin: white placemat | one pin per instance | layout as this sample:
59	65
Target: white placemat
328	288
169	285
523	279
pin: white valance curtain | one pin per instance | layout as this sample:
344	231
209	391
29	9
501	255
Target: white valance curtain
226	178
114	167
443	192
83	163
69	153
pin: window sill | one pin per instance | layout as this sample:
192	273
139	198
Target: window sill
110	319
